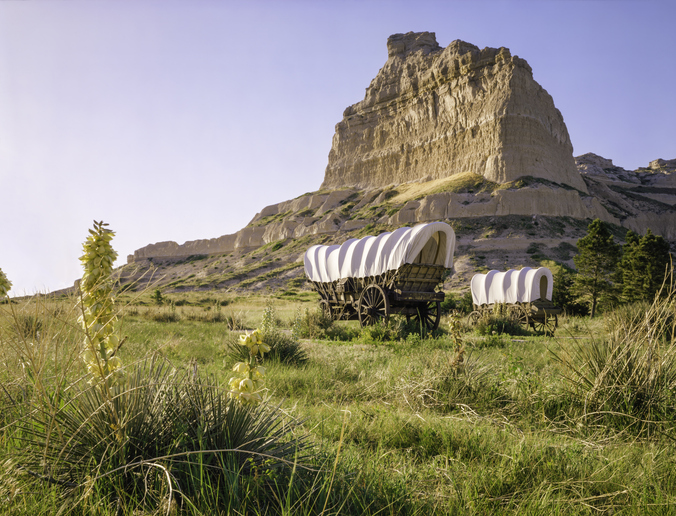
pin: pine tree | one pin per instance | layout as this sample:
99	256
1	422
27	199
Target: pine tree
562	292
645	263
596	264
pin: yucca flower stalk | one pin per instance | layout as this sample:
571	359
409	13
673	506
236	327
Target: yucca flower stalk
246	387
458	358
98	319
5	285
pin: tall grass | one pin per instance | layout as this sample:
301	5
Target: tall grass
627	380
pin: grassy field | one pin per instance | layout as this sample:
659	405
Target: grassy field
468	421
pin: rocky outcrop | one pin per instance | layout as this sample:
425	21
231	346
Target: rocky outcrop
434	112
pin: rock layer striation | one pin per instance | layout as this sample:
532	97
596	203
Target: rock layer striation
435	112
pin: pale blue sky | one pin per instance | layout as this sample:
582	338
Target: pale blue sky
180	120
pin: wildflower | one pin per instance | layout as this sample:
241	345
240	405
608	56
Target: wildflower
97	317
241	367
246	387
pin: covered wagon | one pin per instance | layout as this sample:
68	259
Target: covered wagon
526	294
393	273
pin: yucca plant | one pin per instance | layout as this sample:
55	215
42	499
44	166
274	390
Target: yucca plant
177	431
628	380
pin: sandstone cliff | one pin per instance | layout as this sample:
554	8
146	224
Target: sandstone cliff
433	112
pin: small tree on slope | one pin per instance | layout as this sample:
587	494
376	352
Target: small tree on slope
644	266
596	263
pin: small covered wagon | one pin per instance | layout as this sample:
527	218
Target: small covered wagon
526	294
394	273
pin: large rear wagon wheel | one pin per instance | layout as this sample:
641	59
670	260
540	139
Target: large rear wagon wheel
373	306
547	325
427	316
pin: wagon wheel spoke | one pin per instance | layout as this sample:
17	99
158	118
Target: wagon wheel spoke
373	305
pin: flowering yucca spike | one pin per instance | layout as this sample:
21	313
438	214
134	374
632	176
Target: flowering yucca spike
5	285
97	301
247	386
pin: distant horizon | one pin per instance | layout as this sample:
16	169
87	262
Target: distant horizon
180	120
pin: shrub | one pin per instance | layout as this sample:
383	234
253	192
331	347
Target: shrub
179	430
381	332
157	297
449	303
235	321
314	324
466	304
284	348
497	324
27	326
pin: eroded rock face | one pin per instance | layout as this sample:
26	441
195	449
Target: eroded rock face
434	112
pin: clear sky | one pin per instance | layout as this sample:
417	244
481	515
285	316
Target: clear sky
180	120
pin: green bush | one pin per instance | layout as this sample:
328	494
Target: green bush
466	304
492	324
449	303
27	326
314	324
382	332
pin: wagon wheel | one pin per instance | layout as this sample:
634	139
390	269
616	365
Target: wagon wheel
428	314
546	326
325	307
520	315
474	317
373	306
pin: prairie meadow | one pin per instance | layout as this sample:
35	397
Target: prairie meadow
481	419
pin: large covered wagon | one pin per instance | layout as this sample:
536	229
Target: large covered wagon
526	294
394	273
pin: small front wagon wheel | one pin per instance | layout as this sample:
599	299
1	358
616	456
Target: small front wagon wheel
520	315
373	306
474	317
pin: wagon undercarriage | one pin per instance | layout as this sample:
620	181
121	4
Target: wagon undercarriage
540	315
408	291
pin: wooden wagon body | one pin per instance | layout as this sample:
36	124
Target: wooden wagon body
525	294
394	273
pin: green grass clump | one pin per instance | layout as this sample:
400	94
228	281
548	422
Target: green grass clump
627	380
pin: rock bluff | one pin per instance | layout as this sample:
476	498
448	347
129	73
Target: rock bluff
435	112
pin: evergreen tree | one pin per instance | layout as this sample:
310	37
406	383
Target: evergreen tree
562	291
596	262
645	263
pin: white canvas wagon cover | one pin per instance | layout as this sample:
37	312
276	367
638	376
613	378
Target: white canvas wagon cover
432	243
514	286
